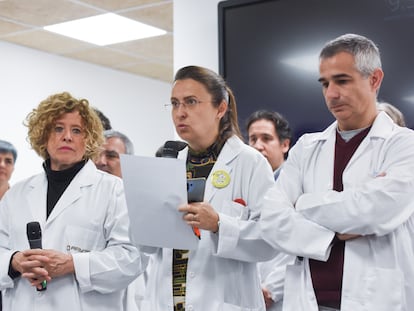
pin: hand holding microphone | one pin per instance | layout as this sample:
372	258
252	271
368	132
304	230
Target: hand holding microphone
34	235
43	264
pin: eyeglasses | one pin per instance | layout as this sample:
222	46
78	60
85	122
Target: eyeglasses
189	102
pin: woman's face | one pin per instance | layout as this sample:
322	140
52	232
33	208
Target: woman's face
66	143
195	118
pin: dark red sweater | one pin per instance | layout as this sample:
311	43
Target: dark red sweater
327	276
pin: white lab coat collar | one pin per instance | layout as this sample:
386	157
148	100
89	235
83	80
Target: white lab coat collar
380	128
85	177
231	149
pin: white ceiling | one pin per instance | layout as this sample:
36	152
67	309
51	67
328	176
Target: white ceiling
21	23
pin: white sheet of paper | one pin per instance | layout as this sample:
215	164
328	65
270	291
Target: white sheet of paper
154	188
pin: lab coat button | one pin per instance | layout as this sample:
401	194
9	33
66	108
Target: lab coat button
189	308
192	274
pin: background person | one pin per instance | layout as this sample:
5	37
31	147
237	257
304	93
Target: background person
87	257
395	114
8	156
343	201
116	143
270	134
221	273
106	123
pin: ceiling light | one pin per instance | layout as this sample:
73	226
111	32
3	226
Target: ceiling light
105	29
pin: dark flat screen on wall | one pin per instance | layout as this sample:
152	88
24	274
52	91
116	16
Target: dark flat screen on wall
269	53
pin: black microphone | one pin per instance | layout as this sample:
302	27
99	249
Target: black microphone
171	149
34	235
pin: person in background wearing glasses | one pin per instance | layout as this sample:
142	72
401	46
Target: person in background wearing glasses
343	202
8	156
269	133
87	257
221	274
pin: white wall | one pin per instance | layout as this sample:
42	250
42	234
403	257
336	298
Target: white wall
135	105
196	33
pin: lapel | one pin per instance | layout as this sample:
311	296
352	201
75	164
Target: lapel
230	150
37	205
73	192
321	148
381	128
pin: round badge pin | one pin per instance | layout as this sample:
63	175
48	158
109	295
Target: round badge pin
220	179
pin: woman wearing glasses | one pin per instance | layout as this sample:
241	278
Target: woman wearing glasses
87	259
221	273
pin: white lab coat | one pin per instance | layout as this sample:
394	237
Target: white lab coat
221	272
272	272
90	221
379	266
272	277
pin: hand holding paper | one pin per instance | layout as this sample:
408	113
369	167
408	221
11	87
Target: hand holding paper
201	215
154	188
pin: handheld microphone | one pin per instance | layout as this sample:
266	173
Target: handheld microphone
170	149
34	235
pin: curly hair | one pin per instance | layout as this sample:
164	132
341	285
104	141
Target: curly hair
41	121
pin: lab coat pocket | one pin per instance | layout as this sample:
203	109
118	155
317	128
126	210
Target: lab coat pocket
236	210
81	240
382	289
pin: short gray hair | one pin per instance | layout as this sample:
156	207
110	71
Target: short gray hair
365	52
129	146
